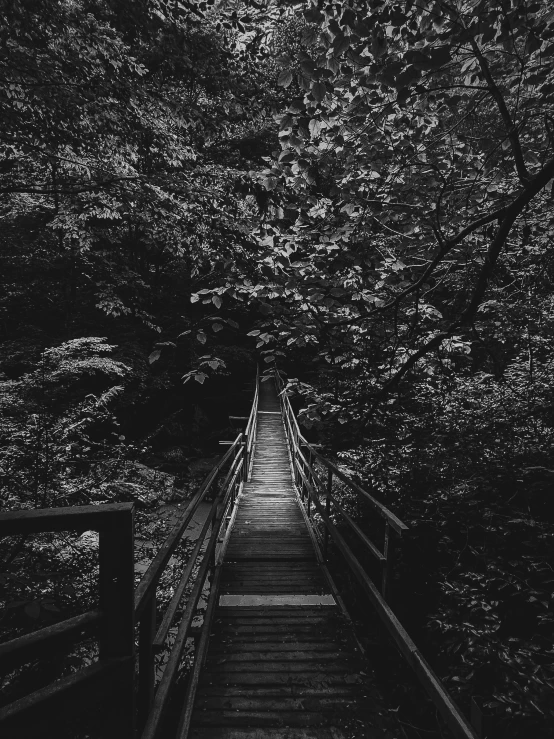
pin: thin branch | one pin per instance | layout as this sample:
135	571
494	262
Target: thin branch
512	212
511	128
447	247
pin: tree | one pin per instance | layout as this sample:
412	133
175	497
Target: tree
416	162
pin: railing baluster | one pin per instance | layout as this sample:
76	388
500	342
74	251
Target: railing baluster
327	510
116	581
388	551
147	676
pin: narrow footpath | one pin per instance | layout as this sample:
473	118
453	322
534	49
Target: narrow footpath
282	661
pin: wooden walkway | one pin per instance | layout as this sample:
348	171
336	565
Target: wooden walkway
282	661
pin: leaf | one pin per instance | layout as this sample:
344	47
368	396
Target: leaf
315	127
313	15
341	44
319	91
216	300
217	327
156	354
270	358
201	336
284	60
285	78
270	183
349	208
308	68
200	377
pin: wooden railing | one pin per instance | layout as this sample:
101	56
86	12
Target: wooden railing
153	701
315	484
127	615
251	427
317	494
114	673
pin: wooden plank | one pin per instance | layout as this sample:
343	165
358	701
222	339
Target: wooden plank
359	690
276	703
268	733
279	656
236	639
312	678
234	647
291	621
276	599
245	717
297	613
262	667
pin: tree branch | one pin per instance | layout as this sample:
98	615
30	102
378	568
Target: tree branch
511	128
512	212
446	248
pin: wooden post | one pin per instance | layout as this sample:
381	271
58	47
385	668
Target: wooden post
304	487
117	638
388	551
147	675
327	510
216	521
245	465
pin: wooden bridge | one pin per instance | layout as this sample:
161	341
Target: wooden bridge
277	656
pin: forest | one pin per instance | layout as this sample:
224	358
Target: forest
360	193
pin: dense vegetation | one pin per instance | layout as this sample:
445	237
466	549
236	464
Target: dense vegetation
362	192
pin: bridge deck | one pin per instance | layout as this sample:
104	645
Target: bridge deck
277	669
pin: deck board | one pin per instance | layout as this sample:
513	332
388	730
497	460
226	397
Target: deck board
280	672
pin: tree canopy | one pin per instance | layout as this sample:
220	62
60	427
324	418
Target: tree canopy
359	192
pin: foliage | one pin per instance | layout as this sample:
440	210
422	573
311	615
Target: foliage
57	432
467	466
414	174
407	236
363	188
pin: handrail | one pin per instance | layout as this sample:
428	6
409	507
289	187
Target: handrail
31	646
152	575
115	617
121	609
251	426
312	489
154	718
163	630
395	523
398	525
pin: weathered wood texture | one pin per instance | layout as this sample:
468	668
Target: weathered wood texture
280	672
